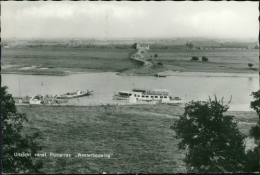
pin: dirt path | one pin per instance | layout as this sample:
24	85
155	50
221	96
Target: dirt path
138	57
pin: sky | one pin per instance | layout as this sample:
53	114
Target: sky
169	19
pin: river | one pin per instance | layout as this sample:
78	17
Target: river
192	86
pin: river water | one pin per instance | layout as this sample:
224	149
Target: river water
192	86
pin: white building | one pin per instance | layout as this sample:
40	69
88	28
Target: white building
142	46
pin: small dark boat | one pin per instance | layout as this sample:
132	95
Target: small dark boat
156	75
75	94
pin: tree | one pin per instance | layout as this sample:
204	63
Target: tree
250	65
194	58
205	59
189	45
212	139
13	141
134	46
255	104
252	156
156	55
160	63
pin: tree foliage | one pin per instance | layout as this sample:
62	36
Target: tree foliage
250	64
194	58
255	104
252	156
205	59
134	46
160	63
211	139
252	160
13	141
189	45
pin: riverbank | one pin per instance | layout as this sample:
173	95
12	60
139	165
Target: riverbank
136	138
61	61
65	61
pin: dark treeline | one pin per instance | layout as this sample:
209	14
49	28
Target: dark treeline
152	46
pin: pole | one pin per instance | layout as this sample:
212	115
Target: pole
99	97
42	93
19	89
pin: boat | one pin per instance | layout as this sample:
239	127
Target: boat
21	99
122	95
142	94
156	75
35	101
75	94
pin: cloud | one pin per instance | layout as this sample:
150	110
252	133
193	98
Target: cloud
128	19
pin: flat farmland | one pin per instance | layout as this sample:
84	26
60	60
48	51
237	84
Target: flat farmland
220	60
71	59
139	139
65	60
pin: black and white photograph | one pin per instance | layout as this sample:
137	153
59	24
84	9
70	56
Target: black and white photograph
129	87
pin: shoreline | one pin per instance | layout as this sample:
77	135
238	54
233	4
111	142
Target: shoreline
210	74
123	104
122	73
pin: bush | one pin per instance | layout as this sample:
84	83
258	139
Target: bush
205	59
14	141
155	55
195	59
252	160
159	63
252	156
250	65
212	139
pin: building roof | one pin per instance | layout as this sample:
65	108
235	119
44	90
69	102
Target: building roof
143	45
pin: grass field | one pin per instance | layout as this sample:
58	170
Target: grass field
139	139
60	60
220	60
72	59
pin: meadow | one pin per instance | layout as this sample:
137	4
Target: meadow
220	60
68	59
139	139
64	60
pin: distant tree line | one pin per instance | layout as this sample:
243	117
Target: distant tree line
188	45
119	46
155	46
